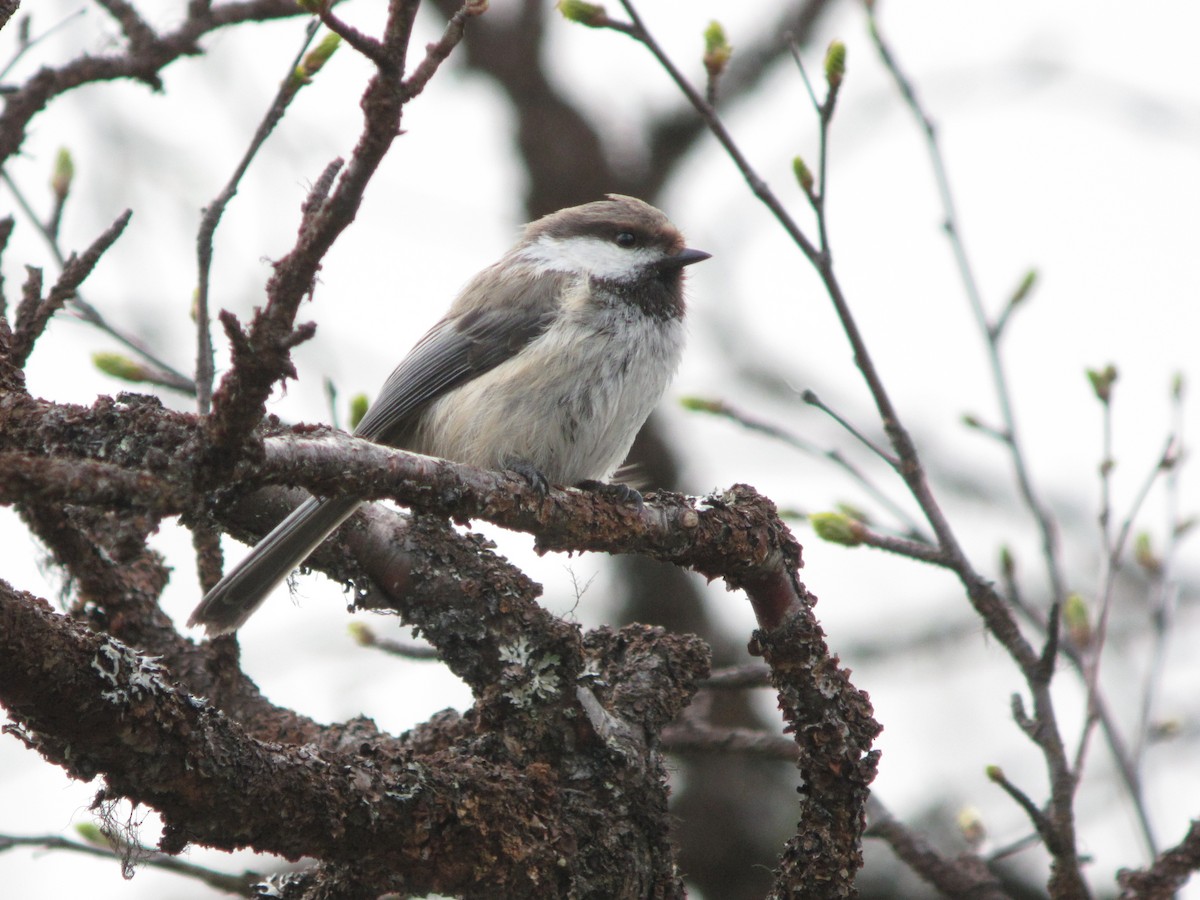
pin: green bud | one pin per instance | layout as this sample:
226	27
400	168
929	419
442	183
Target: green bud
361	634
1166	729
358	409
994	773
835	64
717	50
700	404
850	511
64	174
1178	383
1144	555
318	56
1102	381
970	824
119	366
837	528
91	833
1170	459
971	420
593	15
1075	617
803	175
1027	284
1008	564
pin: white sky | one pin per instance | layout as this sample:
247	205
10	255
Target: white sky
1071	132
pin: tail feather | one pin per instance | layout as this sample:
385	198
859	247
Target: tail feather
236	596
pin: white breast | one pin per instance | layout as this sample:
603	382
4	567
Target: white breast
570	403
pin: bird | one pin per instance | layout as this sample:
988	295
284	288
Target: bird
547	363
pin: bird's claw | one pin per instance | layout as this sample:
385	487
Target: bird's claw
530	473
622	493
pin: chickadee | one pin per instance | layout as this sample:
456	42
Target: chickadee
548	363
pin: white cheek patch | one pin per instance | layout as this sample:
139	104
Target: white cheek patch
596	257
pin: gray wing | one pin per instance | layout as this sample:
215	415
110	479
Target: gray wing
491	321
464	345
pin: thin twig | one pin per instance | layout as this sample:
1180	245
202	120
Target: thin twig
909	463
288	88
1114	551
1065	876
25	46
751	675
808	86
720	408
810	397
1116	744
168	375
241	885
438	52
1045	830
914	550
690	736
365	636
758	186
363	43
824	110
1167	593
29	326
816	193
965	876
261	354
1012	848
1042	517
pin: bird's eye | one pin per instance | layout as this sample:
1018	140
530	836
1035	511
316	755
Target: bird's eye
626	239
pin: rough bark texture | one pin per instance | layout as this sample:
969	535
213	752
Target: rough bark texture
554	798
553	779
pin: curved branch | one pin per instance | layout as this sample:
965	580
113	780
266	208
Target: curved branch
735	534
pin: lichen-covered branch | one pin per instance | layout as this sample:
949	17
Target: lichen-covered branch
833	725
478	611
430	820
1169	872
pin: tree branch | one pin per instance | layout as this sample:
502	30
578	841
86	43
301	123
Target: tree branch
964	876
1169	872
95	706
33	317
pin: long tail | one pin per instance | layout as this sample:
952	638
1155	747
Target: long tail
236	596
